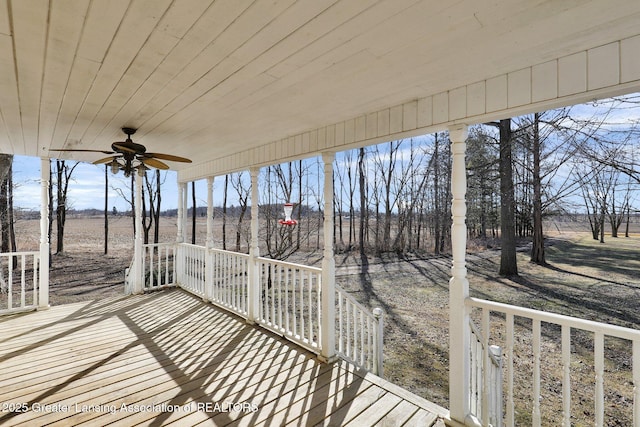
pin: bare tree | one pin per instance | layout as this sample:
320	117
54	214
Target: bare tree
508	260
193	212
6	204
482	182
151	195
362	178
243	192
224	211
63	172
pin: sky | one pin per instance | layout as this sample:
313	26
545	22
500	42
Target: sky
86	189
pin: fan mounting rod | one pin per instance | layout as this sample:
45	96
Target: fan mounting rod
129	131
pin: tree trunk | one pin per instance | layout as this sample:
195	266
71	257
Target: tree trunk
436	196
193	213
133	203
224	211
508	260
50	230
601	220
299	228
537	249
156	216
146	221
363	201
5	171
12	231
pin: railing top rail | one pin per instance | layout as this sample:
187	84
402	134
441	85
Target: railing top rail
37	253
191	245
291	264
224	251
543	316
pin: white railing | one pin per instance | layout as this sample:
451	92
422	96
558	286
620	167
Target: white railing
158	265
227	282
485	384
290	301
19	285
358	332
527	348
289	296
192	273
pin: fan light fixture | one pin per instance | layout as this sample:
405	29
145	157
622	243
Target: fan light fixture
128	156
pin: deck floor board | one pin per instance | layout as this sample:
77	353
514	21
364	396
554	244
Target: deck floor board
167	358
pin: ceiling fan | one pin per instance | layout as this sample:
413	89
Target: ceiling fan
128	156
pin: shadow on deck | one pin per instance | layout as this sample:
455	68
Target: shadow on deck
167	357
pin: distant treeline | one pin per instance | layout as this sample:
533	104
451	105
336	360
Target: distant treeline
201	211
234	212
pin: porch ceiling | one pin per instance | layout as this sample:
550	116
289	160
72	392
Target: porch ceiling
209	79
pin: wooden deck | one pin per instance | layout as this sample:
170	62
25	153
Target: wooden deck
168	358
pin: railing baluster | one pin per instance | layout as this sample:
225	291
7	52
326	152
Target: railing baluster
340	336
636	382
566	376
36	260
287	319
369	357
316	284
486	363
10	284
310	310
163	265
510	400
536	417
598	348
362	330
274	294
279	293
234	282
225	280
160	265
294	311
261	290
23	281
301	309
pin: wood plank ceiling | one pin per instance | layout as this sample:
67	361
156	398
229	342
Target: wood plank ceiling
205	79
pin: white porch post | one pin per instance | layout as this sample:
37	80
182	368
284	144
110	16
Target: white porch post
43	291
208	265
209	212
182	212
182	226
253	292
459	334
328	291
138	279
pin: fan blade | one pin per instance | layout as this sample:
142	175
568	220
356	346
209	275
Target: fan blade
120	146
105	160
169	157
154	163
81	151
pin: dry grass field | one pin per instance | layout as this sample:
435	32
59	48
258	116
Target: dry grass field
584	279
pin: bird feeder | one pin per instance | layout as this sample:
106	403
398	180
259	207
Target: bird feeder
288	210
